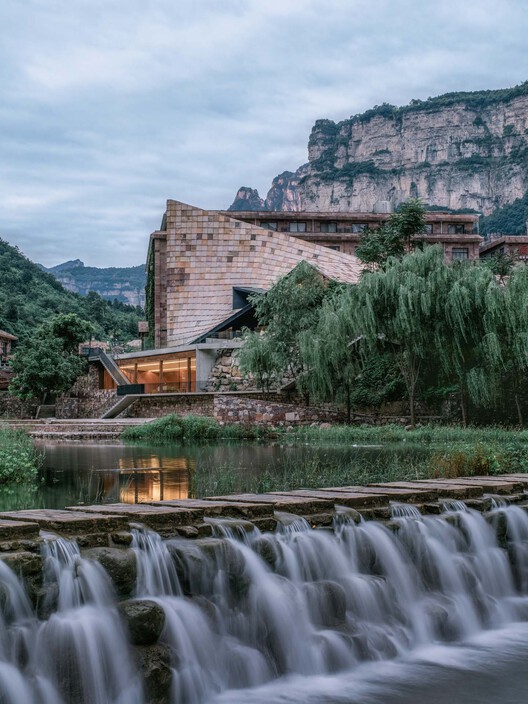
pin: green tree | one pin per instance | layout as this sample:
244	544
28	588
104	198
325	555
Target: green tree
392	240
48	363
288	309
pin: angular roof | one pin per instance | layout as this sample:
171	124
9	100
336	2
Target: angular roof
7	335
209	253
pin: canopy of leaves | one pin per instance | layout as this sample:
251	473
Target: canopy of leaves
508	220
393	239
48	362
29	295
290	308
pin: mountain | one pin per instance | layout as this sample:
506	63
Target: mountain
125	284
29	295
456	151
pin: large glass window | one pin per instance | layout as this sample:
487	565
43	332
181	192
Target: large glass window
455	229
359	226
269	225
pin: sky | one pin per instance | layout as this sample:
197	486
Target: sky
110	107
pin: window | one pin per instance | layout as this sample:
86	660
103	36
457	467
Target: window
269	225
328	227
429	229
334	246
455	229
359	227
297	226
459	253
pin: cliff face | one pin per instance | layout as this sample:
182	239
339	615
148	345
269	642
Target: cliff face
126	284
464	150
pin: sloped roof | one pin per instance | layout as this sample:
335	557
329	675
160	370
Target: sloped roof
7	335
209	253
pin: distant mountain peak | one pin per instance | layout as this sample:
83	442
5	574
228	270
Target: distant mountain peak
71	264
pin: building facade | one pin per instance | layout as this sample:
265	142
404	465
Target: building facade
457	234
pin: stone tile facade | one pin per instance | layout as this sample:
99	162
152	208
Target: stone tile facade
202	255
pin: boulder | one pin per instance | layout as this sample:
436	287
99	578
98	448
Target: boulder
144	619
119	564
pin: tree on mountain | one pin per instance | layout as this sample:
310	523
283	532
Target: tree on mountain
48	363
393	239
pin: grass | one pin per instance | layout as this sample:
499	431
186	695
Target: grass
173	428
19	461
317	469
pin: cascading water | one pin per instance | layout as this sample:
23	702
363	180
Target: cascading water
80	654
288	616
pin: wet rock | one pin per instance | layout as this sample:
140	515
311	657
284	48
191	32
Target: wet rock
154	662
144	619
122	538
326	603
120	566
268	548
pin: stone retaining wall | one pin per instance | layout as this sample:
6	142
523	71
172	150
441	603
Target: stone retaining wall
13	407
183	405
237	409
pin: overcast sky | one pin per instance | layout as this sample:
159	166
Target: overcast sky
109	107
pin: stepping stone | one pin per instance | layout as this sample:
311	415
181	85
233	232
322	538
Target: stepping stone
387	493
155	517
438	488
219	508
18	530
344	498
68	522
492	485
281	502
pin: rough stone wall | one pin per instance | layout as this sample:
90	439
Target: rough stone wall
183	405
236	409
226	374
85	399
13	407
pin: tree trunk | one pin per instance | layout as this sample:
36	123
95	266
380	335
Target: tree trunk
519	411
463	409
411	408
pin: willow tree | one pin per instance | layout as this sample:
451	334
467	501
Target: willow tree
513	325
286	311
332	363
394	309
469	311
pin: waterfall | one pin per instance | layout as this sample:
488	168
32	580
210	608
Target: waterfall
244	609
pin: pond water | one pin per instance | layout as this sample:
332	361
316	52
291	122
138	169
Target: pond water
76	473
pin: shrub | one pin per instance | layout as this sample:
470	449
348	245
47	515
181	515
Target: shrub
19	461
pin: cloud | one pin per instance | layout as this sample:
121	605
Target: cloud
111	108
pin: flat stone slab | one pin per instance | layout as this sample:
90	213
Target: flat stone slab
281	502
518	477
387	493
14	530
344	498
155	517
438	489
71	522
219	508
494	485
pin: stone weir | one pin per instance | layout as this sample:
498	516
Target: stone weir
153	588
105	530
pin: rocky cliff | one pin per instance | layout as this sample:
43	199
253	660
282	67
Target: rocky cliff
458	151
126	284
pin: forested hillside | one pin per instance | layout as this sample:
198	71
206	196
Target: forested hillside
29	295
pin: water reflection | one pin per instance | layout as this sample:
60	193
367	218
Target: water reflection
75	473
